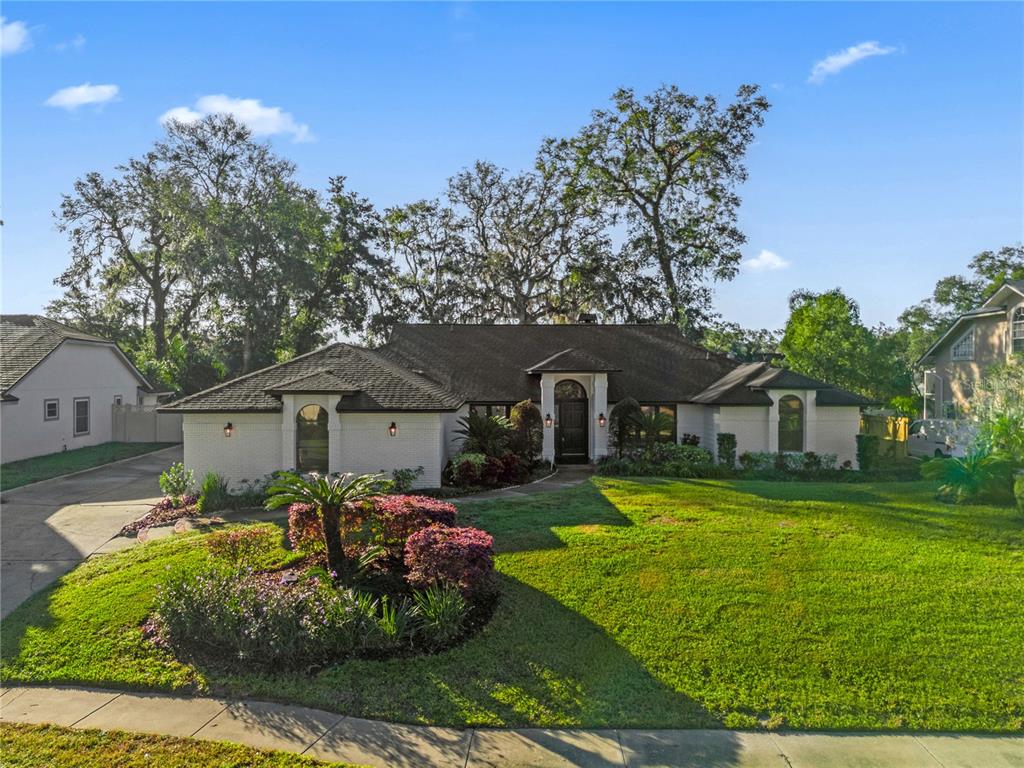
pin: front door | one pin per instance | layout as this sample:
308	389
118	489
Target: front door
571	442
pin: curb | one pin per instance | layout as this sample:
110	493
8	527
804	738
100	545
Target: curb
93	469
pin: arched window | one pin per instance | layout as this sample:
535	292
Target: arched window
1017	330
567	389
311	448
791	424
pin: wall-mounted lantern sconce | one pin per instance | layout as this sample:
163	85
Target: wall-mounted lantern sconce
547	421
393	429
601	420
229	429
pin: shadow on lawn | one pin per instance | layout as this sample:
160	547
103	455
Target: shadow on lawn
528	524
536	664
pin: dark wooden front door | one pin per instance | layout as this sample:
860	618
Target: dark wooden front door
571	440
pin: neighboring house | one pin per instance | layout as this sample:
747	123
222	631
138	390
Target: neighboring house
347	408
993	333
57	386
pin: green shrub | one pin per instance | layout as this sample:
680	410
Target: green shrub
244	548
442	615
622	423
213	495
527	437
867	452
727	449
1018	491
484	434
403	479
977	475
176	482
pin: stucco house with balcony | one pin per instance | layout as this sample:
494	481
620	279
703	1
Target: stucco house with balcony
58	386
346	408
985	336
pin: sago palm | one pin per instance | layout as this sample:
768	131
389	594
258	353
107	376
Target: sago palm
971	476
328	494
484	434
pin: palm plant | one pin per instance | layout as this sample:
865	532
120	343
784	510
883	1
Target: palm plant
975	474
328	494
651	425
484	434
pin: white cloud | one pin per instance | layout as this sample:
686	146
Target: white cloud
837	62
765	261
80	95
261	120
76	43
14	37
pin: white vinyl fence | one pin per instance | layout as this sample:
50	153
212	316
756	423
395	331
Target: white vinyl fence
142	424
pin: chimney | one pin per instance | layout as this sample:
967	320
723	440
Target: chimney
588	318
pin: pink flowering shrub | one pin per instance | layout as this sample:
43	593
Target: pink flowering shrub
458	557
396	518
305	529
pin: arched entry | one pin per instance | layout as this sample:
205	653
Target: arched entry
311	442
791	424
571	435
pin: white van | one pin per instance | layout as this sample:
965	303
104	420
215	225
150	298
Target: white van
940	437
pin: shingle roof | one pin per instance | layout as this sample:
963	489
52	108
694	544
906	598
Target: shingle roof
26	340
746	385
572	360
382	384
318	381
489	363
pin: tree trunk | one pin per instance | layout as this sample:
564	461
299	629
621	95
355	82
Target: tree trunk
337	562
159	322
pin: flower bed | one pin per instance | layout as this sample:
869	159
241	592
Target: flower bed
419	584
165	511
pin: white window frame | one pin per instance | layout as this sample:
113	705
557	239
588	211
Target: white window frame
1017	330
88	416
46	407
963	348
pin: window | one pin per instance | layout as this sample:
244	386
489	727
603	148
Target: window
667	434
964	347
118	400
504	411
51	410
791	424
81	416
311	441
567	389
1017	330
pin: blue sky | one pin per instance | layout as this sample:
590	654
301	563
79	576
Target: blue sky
889	168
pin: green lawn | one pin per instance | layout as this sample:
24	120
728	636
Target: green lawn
15	473
34	746
646	603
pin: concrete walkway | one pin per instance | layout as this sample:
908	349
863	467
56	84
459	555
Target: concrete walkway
567	476
48	528
386	745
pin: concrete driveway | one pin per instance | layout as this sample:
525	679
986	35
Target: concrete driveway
48	528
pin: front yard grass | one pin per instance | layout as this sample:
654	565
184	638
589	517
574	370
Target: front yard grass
25	471
25	746
644	603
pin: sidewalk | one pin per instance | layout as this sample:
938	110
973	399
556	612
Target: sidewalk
385	745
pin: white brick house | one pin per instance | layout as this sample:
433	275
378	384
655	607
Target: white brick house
346	408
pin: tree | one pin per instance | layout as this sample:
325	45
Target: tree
744	344
334	286
427	239
130	247
525	239
670	164
527	436
825	339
